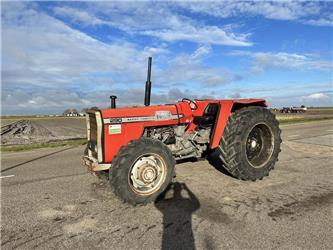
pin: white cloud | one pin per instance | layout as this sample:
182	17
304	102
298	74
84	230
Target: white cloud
288	60
79	16
265	60
300	11
201	51
42	50
49	66
296	99
320	22
204	34
51	100
316	96
145	19
189	67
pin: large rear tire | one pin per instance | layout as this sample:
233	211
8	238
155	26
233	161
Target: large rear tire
250	143
141	171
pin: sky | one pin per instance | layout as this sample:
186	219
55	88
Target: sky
60	55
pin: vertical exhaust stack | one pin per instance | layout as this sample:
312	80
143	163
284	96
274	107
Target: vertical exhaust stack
148	84
113	101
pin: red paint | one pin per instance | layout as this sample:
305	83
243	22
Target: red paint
133	131
226	108
222	119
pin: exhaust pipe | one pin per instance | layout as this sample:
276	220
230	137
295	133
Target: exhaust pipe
113	101
148	84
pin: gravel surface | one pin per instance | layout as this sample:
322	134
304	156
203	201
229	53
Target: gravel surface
49	201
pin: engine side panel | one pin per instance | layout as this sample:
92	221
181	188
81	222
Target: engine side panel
122	125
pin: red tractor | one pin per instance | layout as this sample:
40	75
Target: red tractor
137	147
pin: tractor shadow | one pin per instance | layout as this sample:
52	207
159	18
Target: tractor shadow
177	204
214	160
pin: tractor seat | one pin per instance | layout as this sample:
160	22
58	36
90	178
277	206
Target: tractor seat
209	114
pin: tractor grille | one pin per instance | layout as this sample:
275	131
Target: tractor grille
93	139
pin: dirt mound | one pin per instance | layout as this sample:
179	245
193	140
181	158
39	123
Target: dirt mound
25	132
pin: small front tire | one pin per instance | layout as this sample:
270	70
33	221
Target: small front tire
141	171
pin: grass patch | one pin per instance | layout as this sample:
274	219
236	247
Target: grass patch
53	144
295	119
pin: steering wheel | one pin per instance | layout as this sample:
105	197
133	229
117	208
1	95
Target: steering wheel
192	103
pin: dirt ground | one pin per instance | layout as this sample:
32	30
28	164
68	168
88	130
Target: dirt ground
41	130
50	201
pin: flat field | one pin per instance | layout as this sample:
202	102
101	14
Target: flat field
48	129
310	114
59	125
43	130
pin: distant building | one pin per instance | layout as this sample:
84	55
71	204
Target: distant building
71	112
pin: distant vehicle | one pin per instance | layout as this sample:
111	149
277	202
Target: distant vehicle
71	112
301	109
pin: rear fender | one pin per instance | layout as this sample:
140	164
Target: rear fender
225	110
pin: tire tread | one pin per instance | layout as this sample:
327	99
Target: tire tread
229	147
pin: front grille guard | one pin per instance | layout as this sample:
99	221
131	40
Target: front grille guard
99	126
93	165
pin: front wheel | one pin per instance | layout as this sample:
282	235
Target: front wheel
141	171
250	144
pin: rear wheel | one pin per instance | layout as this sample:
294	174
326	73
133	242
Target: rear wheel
250	143
141	171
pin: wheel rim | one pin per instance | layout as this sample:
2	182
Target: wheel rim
259	145
147	174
